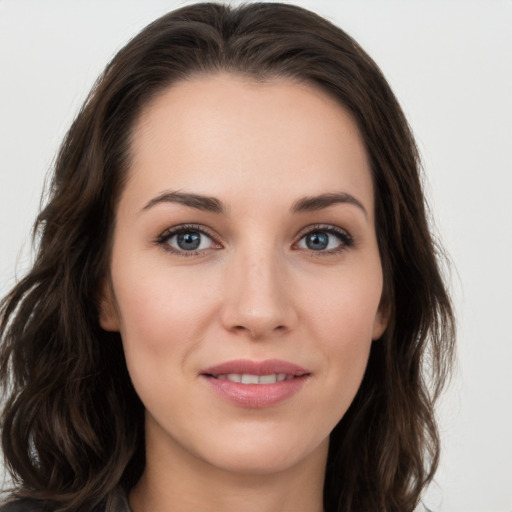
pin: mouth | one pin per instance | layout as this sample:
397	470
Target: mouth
247	371
256	384
248	378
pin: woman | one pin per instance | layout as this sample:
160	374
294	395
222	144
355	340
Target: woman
236	301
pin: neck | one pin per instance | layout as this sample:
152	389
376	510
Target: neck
174	481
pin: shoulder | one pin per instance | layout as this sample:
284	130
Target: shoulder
23	505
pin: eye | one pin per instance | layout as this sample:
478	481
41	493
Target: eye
186	240
326	239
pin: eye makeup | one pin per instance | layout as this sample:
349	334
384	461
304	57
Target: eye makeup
190	234
195	240
316	237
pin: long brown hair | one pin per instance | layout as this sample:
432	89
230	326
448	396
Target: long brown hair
73	426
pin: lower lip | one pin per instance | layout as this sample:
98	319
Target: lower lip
256	395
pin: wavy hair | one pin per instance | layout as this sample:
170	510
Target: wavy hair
72	424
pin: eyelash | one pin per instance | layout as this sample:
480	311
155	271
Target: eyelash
346	240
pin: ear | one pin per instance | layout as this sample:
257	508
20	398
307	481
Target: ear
108	315
381	320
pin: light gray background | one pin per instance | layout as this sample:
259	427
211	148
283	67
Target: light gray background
450	64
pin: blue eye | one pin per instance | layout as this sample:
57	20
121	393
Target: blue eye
186	240
194	241
325	239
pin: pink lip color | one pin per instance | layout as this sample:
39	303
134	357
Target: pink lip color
256	395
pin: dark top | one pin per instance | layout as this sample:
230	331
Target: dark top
118	502
23	506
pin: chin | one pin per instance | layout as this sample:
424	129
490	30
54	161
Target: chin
264	454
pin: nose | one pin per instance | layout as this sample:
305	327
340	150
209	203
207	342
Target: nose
258	297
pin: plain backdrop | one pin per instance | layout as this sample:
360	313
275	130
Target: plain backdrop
450	64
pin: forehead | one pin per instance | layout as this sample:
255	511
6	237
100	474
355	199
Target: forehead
225	135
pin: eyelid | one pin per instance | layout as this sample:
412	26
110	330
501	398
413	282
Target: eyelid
166	235
324	227
190	227
346	239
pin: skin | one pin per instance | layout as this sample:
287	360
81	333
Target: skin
254	290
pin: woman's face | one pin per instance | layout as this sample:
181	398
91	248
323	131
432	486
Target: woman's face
245	272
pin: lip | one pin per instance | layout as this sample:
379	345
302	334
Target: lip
256	395
266	367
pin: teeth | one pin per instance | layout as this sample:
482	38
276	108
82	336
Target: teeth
247	378
268	379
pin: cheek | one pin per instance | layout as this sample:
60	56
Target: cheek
159	316
344	321
157	302
347	308
159	328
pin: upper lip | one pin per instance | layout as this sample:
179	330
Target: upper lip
248	366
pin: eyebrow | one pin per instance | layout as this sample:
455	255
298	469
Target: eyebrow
214	205
314	203
205	203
